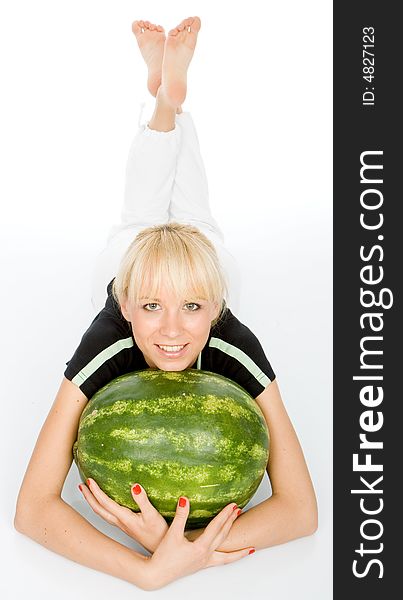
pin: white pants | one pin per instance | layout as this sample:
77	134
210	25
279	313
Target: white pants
165	181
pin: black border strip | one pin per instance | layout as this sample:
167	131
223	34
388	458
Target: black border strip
367	128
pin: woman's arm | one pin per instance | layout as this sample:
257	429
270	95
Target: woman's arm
291	511
42	515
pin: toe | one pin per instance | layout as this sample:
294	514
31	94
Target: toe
136	27
196	24
193	23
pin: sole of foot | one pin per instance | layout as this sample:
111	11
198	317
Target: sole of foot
179	48
151	41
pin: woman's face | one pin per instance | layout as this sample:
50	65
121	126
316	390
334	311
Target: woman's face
170	333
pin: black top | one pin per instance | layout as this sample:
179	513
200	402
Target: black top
107	350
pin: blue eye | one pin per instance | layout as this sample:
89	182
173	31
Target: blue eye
194	305
150	306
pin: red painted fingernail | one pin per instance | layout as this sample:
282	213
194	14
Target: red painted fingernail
239	512
182	501
234	507
136	489
88	482
252	550
80	487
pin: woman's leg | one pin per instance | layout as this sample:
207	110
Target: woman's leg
150	170
190	197
150	174
190	203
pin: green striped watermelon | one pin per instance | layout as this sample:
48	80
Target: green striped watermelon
192	433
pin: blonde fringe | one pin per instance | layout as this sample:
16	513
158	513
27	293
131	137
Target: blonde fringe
175	255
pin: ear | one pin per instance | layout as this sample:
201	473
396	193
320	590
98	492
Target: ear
124	309
216	310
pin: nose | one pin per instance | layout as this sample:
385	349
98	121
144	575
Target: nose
171	324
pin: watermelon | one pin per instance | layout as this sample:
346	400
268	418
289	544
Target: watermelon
186	433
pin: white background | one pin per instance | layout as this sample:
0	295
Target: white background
260	94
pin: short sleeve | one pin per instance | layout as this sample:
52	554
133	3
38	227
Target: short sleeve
104	352
237	354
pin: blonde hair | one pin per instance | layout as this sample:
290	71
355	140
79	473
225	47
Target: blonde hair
178	256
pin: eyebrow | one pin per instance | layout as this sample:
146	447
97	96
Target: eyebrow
158	300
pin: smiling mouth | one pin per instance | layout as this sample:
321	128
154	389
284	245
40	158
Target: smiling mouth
171	349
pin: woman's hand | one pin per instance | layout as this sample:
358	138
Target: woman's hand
147	527
176	557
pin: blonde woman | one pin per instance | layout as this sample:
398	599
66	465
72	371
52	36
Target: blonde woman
163	290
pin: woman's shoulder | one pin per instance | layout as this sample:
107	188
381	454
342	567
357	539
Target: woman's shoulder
235	352
109	324
233	337
106	350
230	327
112	308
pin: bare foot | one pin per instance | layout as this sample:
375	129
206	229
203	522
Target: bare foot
151	41
179	49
